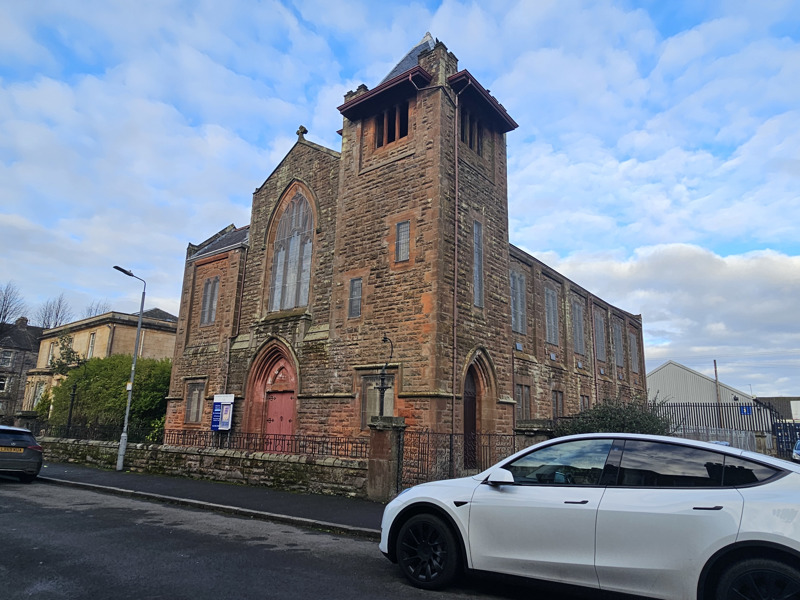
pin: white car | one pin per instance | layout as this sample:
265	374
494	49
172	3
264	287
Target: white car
639	514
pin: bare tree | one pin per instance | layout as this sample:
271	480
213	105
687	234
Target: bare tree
96	307
11	306
56	311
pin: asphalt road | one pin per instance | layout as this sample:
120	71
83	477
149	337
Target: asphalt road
65	543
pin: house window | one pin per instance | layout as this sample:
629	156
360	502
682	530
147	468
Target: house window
577	327
619	350
5	358
354	304
291	263
210	295
401	245
370	398
38	392
586	403
518	314
558	404
477	264
471	131
194	401
90	350
633	344
51	353
522	394
4	382
551	313
600	336
391	124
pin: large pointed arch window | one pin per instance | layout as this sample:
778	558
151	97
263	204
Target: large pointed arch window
291	257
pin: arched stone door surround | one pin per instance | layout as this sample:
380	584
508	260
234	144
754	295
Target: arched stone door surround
271	392
477	415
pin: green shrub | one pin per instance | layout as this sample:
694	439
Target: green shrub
615	416
101	394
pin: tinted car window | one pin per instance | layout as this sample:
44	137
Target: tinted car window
571	463
7	438
655	464
740	471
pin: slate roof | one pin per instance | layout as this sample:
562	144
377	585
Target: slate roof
231	239
411	59
157	313
21	337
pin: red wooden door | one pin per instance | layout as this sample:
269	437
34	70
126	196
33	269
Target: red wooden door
280	413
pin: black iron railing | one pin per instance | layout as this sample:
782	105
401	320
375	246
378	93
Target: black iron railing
428	456
309	445
740	416
105	433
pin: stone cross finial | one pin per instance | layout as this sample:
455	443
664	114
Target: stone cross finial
301	132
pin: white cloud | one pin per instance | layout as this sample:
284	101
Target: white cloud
698	306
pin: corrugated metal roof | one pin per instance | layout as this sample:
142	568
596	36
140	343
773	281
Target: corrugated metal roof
674	382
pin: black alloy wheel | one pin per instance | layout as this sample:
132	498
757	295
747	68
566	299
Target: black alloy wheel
427	552
760	579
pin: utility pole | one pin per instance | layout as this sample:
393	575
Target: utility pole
719	400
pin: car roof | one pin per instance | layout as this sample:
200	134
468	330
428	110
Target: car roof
730	450
17	429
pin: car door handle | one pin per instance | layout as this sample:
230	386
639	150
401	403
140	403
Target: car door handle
707	508
576	502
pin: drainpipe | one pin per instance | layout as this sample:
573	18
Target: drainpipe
594	351
110	344
235	332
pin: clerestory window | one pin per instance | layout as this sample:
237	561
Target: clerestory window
551	315
633	344
578	339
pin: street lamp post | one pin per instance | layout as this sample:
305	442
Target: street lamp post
383	386
123	439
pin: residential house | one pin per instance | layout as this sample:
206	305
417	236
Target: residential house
99	337
19	348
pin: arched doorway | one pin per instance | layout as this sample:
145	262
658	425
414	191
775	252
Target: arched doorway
470	420
271	395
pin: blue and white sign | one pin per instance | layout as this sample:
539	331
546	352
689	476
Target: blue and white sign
746	410
222	412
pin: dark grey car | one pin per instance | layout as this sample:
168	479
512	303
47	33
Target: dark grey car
20	453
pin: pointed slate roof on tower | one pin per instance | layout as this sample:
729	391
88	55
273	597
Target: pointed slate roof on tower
411	59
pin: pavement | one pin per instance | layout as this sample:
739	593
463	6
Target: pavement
337	514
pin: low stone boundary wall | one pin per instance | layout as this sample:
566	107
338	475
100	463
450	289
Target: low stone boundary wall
306	474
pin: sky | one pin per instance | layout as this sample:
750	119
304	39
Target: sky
656	163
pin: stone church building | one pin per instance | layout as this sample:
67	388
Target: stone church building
393	253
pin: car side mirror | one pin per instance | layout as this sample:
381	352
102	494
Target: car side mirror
500	476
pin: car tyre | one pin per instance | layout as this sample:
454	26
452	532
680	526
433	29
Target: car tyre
427	552
759	579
